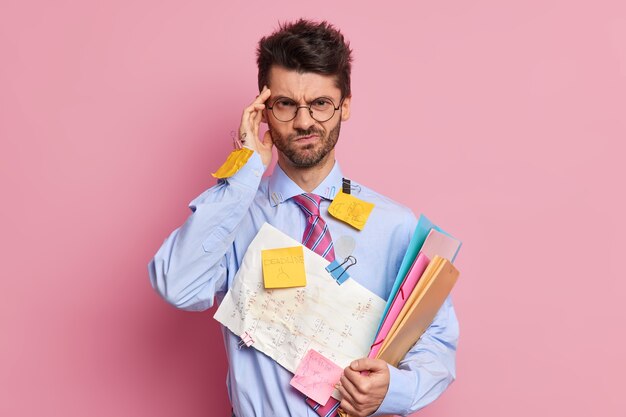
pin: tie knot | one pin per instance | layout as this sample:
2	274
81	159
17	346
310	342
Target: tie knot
309	203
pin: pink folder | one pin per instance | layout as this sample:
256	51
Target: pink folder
407	286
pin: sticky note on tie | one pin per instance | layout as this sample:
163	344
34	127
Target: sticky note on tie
351	210
316	377
283	267
234	162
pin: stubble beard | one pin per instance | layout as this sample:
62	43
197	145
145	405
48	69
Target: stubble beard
311	154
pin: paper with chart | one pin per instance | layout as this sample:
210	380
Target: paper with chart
338	321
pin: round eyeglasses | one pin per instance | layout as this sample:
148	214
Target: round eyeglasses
321	109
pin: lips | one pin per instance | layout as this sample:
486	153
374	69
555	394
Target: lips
306	138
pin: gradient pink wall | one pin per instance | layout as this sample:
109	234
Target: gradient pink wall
509	117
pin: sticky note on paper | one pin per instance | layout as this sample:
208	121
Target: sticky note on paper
234	162
351	210
283	267
316	377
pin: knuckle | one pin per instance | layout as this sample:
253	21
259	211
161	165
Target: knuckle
358	411
345	405
359	399
366	386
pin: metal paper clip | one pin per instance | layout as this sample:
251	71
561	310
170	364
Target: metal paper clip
340	272
277	199
246	340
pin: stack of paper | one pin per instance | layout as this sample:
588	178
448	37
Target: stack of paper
336	321
425	279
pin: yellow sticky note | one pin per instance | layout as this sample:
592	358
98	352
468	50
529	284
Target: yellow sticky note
283	267
234	162
351	210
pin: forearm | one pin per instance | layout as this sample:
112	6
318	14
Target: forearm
191	265
427	369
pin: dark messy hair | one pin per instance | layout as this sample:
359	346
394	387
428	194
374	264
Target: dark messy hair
306	46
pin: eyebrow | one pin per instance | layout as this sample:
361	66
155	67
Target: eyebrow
273	99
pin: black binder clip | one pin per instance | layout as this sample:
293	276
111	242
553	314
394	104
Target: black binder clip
345	186
340	272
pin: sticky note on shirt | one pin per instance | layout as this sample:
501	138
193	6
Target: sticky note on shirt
283	267
234	162
316	377
351	210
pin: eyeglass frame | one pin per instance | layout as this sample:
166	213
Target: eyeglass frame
308	106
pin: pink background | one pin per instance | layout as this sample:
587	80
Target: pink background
509	117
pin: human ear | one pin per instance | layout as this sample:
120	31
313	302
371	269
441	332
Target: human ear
345	108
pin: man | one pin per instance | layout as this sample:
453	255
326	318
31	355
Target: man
304	82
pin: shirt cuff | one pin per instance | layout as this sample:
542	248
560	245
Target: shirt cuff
250	174
399	395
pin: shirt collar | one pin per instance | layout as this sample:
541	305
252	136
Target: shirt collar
281	188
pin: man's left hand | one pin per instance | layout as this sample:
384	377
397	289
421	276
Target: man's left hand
363	386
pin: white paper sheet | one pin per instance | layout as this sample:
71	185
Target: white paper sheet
338	321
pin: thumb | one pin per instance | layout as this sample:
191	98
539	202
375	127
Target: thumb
368	364
267	143
267	140
265	148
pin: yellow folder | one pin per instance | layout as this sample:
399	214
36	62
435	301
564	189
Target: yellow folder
420	309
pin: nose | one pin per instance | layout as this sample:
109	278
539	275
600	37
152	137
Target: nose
303	118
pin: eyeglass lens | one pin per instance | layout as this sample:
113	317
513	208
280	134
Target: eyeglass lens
320	109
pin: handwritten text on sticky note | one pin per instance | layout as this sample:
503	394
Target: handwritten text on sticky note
351	210
234	162
283	267
316	377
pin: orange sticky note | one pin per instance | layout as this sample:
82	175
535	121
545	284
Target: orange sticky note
351	210
283	267
316	377
234	162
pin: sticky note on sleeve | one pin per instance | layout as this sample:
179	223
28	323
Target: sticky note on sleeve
283	267
316	377
234	162
351	210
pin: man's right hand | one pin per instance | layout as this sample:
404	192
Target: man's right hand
249	129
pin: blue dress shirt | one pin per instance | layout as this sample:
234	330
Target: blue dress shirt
199	260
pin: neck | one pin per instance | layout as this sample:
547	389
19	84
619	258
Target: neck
308	178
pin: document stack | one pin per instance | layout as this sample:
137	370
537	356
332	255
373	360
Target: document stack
423	283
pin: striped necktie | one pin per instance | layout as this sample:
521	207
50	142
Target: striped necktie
316	234
317	238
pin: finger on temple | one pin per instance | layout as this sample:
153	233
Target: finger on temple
257	118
